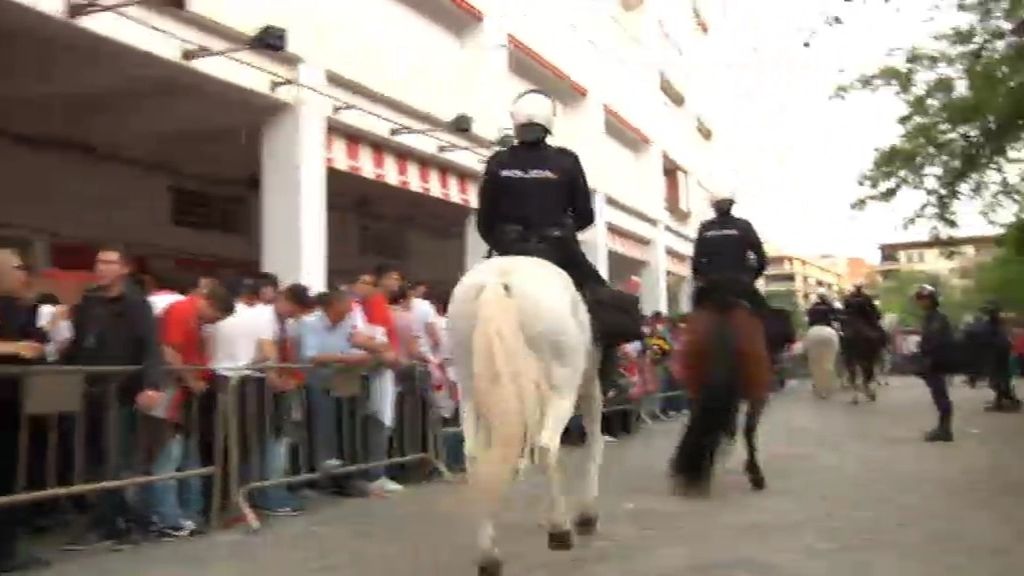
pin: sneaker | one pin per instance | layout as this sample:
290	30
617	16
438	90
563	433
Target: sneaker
939	434
282	511
386	485
169	533
86	541
610	439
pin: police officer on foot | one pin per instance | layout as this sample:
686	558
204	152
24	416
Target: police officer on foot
722	255
935	354
534	198
994	350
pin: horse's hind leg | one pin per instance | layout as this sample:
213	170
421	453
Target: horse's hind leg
753	468
590	406
869	379
559	410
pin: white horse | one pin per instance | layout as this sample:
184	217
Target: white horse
523	353
821	344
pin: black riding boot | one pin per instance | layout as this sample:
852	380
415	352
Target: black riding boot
606	372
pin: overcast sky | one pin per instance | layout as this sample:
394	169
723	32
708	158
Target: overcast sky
793	153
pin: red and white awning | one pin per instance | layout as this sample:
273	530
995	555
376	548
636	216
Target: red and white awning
371	160
627	245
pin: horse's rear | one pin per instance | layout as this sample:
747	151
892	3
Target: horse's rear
725	360
862	345
521	339
821	345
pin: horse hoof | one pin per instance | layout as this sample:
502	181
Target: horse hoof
560	540
490	566
757	482
586	524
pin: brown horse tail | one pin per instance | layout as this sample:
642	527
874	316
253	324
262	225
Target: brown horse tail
508	393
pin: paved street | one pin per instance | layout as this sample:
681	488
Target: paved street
851	491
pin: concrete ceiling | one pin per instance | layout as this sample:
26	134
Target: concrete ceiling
66	85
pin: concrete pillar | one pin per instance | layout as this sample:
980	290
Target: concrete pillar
595	240
686	295
474	247
654	296
293	187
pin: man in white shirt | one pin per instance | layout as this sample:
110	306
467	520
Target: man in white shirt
425	321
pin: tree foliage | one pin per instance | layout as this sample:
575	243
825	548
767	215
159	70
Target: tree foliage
963	127
897	290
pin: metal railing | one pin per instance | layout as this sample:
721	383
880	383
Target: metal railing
52	391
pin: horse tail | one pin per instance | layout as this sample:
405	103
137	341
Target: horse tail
721	397
716	407
822	345
508	391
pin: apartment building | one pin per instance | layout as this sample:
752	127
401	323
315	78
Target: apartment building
159	125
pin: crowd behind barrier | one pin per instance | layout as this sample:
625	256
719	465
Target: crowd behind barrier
155	409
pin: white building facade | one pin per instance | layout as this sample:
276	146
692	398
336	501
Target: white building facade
318	162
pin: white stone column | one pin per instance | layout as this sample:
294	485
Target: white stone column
293	187
686	295
654	296
595	240
474	247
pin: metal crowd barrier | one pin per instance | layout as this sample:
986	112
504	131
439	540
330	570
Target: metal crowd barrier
52	391
414	435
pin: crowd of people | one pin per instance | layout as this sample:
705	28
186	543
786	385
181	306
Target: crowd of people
188	337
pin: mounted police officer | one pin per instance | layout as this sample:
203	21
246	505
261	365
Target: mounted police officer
534	199
860	304
822	312
728	255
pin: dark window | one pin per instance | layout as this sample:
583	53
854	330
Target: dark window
198	210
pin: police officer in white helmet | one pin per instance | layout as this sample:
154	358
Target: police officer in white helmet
723	252
534	198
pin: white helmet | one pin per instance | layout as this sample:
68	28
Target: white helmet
534	107
823	294
717	197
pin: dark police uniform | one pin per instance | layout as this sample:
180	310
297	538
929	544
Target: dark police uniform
720	257
935	349
533	200
993	349
860	305
821	314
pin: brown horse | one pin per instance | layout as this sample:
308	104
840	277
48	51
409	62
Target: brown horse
725	361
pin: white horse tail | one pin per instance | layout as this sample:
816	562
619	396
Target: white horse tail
508	391
822	346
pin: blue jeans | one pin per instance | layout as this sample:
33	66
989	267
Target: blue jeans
172	502
276	459
323	412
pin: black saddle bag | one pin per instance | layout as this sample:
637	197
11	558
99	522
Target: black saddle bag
615	316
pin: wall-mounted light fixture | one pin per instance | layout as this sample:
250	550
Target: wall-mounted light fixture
460	124
267	39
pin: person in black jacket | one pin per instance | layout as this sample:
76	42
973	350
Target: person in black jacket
728	254
822	312
114	326
994	349
21	343
534	199
935	353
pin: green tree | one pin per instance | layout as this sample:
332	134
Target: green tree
963	127
897	290
1002	279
